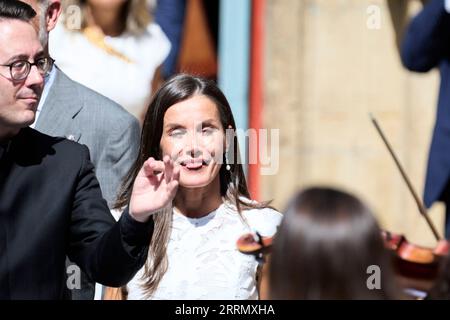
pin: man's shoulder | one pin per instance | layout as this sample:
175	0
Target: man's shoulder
49	159
60	145
96	102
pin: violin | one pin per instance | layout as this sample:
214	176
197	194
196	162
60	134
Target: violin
416	265
254	243
412	260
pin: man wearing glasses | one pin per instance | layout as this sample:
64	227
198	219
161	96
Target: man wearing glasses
51	204
20	69
71	110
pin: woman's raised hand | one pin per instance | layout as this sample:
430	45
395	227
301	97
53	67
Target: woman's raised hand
154	188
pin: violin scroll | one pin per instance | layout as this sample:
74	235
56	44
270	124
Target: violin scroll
254	244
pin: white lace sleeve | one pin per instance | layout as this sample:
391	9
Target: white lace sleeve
265	221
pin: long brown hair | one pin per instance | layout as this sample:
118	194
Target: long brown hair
233	186
323	248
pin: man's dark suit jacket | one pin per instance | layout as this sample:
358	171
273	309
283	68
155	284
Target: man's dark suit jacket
426	45
51	205
109	131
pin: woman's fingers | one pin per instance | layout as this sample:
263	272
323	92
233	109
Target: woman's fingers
173	185
168	168
148	171
153	167
158	167
176	173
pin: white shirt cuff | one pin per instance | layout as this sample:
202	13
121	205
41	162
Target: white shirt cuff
447	5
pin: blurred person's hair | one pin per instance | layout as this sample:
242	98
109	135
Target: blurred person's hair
323	248
233	186
17	10
137	15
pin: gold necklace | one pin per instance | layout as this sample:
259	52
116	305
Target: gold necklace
96	37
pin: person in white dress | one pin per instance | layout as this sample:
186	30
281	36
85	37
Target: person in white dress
112	47
193	253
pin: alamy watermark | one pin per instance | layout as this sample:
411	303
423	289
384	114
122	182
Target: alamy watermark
374	280
73	277
256	147
373	21
73	17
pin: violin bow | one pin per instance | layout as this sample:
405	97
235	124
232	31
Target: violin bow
419	202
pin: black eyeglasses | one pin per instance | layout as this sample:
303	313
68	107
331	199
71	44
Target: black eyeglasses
20	69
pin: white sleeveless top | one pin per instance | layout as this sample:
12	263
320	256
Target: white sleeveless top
204	262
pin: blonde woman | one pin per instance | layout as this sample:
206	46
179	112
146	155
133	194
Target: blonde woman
113	47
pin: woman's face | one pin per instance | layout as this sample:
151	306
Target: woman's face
194	138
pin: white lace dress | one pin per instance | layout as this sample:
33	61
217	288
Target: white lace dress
204	262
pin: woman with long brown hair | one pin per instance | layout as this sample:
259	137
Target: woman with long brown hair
193	253
329	246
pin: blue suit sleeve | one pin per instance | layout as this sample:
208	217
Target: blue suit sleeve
427	38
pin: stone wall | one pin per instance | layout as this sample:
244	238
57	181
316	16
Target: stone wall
328	64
